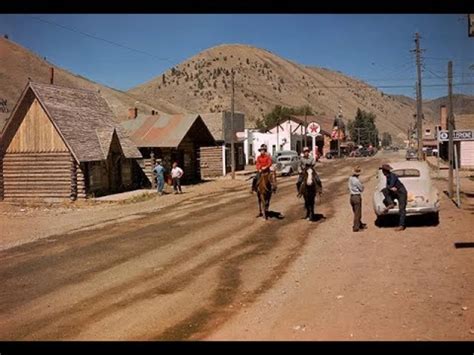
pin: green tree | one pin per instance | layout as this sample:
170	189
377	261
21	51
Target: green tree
200	85
281	112
362	128
386	139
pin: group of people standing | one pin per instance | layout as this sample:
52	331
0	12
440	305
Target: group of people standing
394	189
176	175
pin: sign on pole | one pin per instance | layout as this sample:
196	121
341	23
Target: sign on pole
458	135
313	131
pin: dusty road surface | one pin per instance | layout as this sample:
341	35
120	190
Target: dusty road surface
206	268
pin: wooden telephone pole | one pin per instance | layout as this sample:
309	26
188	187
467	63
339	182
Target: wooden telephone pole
232	148
419	99
450	129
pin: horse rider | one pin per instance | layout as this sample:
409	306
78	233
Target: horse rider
306	161
263	163
394	190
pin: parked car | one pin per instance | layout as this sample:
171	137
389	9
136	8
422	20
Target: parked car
286	152
411	154
288	164
333	153
423	197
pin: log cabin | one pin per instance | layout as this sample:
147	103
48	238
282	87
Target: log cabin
171	138
63	143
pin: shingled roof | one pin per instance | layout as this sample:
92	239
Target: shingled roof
84	120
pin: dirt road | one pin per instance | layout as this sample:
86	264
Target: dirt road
206	268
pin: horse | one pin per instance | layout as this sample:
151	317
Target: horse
265	187
310	186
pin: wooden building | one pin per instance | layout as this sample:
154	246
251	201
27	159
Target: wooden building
216	161
63	143
170	138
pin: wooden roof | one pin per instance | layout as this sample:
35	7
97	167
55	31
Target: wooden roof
83	119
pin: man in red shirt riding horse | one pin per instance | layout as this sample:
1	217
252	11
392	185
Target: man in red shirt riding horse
263	163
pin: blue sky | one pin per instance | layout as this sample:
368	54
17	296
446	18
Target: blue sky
374	48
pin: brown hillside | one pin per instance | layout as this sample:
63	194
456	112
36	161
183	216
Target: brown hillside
18	64
263	79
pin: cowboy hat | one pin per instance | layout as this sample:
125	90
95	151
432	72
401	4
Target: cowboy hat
262	147
386	167
357	170
306	149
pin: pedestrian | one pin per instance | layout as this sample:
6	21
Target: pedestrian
306	161
159	170
263	163
355	189
394	190
176	174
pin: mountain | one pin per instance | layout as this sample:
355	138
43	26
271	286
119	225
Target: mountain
263	80
462	104
18	64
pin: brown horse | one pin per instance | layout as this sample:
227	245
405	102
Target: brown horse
265	187
310	186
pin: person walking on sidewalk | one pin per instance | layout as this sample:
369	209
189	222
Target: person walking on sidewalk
176	174
159	170
355	189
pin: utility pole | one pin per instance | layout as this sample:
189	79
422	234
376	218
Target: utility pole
232	148
305	129
450	128
419	98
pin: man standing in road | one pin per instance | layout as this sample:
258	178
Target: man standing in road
263	163
176	174
159	170
306	161
394	190
355	189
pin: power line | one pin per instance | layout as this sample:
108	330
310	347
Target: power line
359	86
99	38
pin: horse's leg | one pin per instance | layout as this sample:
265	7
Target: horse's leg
259	205
267	203
311	216
306	205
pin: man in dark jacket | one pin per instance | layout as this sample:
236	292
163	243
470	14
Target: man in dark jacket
394	190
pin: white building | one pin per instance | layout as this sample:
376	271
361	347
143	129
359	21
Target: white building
288	135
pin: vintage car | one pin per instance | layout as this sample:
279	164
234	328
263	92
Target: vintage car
411	154
423	198
287	164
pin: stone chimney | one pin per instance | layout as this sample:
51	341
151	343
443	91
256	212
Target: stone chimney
443	119
132	113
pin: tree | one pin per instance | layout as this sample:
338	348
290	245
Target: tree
200	84
362	129
163	79
386	139
280	112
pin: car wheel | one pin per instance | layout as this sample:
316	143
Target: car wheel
434	218
290	172
380	221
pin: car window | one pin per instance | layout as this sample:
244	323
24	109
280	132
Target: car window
284	158
401	173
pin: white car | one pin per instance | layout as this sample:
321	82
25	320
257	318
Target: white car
423	198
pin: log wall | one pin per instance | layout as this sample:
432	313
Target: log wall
36	175
211	161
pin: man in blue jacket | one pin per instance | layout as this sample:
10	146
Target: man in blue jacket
394	190
159	170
